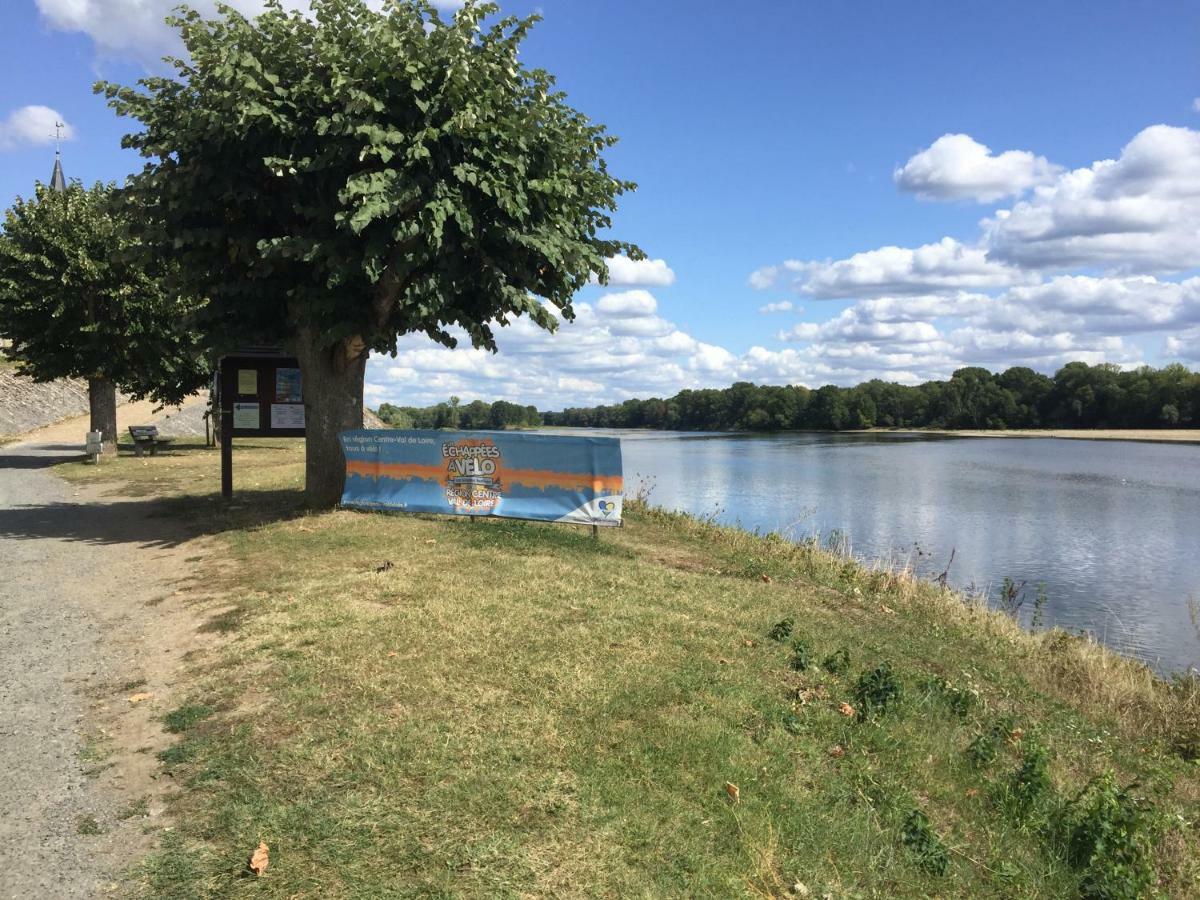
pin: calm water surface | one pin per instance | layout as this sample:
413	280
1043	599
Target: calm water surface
1111	528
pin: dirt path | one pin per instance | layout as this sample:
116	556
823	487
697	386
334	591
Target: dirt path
91	617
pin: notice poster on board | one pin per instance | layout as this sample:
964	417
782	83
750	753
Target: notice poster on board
247	382
246	415
287	415
516	475
287	388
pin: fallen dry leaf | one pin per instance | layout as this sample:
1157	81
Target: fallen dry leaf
845	709
723	661
837	751
972	792
732	790
138	698
766	579
387	564
888	610
304	528
1014	736
259	859
747	642
431	541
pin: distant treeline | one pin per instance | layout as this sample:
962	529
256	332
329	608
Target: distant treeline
1078	396
475	415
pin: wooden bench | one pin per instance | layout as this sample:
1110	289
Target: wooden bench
146	437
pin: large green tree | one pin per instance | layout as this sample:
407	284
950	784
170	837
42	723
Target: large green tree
82	298
333	182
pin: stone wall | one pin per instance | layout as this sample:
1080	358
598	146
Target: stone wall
25	405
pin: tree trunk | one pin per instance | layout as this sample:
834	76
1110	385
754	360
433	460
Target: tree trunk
333	403
102	405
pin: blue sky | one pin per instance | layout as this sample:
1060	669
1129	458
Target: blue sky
795	154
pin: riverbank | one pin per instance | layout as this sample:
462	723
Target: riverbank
1151	435
416	706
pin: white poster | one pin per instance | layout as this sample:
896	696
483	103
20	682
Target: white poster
287	415
245	415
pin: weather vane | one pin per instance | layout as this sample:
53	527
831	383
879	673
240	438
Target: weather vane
58	127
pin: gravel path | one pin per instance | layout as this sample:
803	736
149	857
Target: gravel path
47	640
90	612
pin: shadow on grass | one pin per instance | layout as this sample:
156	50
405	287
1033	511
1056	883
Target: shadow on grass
150	522
521	536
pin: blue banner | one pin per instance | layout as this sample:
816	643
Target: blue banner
515	475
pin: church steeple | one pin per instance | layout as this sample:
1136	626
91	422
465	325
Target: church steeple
58	181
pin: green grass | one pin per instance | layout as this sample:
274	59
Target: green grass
186	717
88	826
520	710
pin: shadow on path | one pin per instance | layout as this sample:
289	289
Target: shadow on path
155	522
18	460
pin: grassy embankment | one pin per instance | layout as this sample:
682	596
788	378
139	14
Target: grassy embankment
415	706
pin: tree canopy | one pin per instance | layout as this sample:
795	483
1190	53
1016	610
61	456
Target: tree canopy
81	298
336	181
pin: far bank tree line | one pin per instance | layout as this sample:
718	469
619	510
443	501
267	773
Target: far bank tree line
477	414
1077	396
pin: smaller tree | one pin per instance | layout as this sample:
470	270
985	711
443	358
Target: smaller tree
79	298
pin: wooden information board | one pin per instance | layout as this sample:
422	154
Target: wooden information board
260	394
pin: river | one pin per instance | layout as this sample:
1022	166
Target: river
1109	529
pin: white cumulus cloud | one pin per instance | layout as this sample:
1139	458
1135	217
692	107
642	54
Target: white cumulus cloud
32	126
627	304
944	266
778	307
623	271
1138	213
957	167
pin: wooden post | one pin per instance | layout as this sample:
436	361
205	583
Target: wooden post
226	447
595	532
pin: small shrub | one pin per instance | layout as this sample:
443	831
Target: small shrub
925	845
1012	597
877	691
801	655
87	825
960	700
982	750
1039	607
837	542
1183	722
782	630
985	746
1030	783
838	662
1111	835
